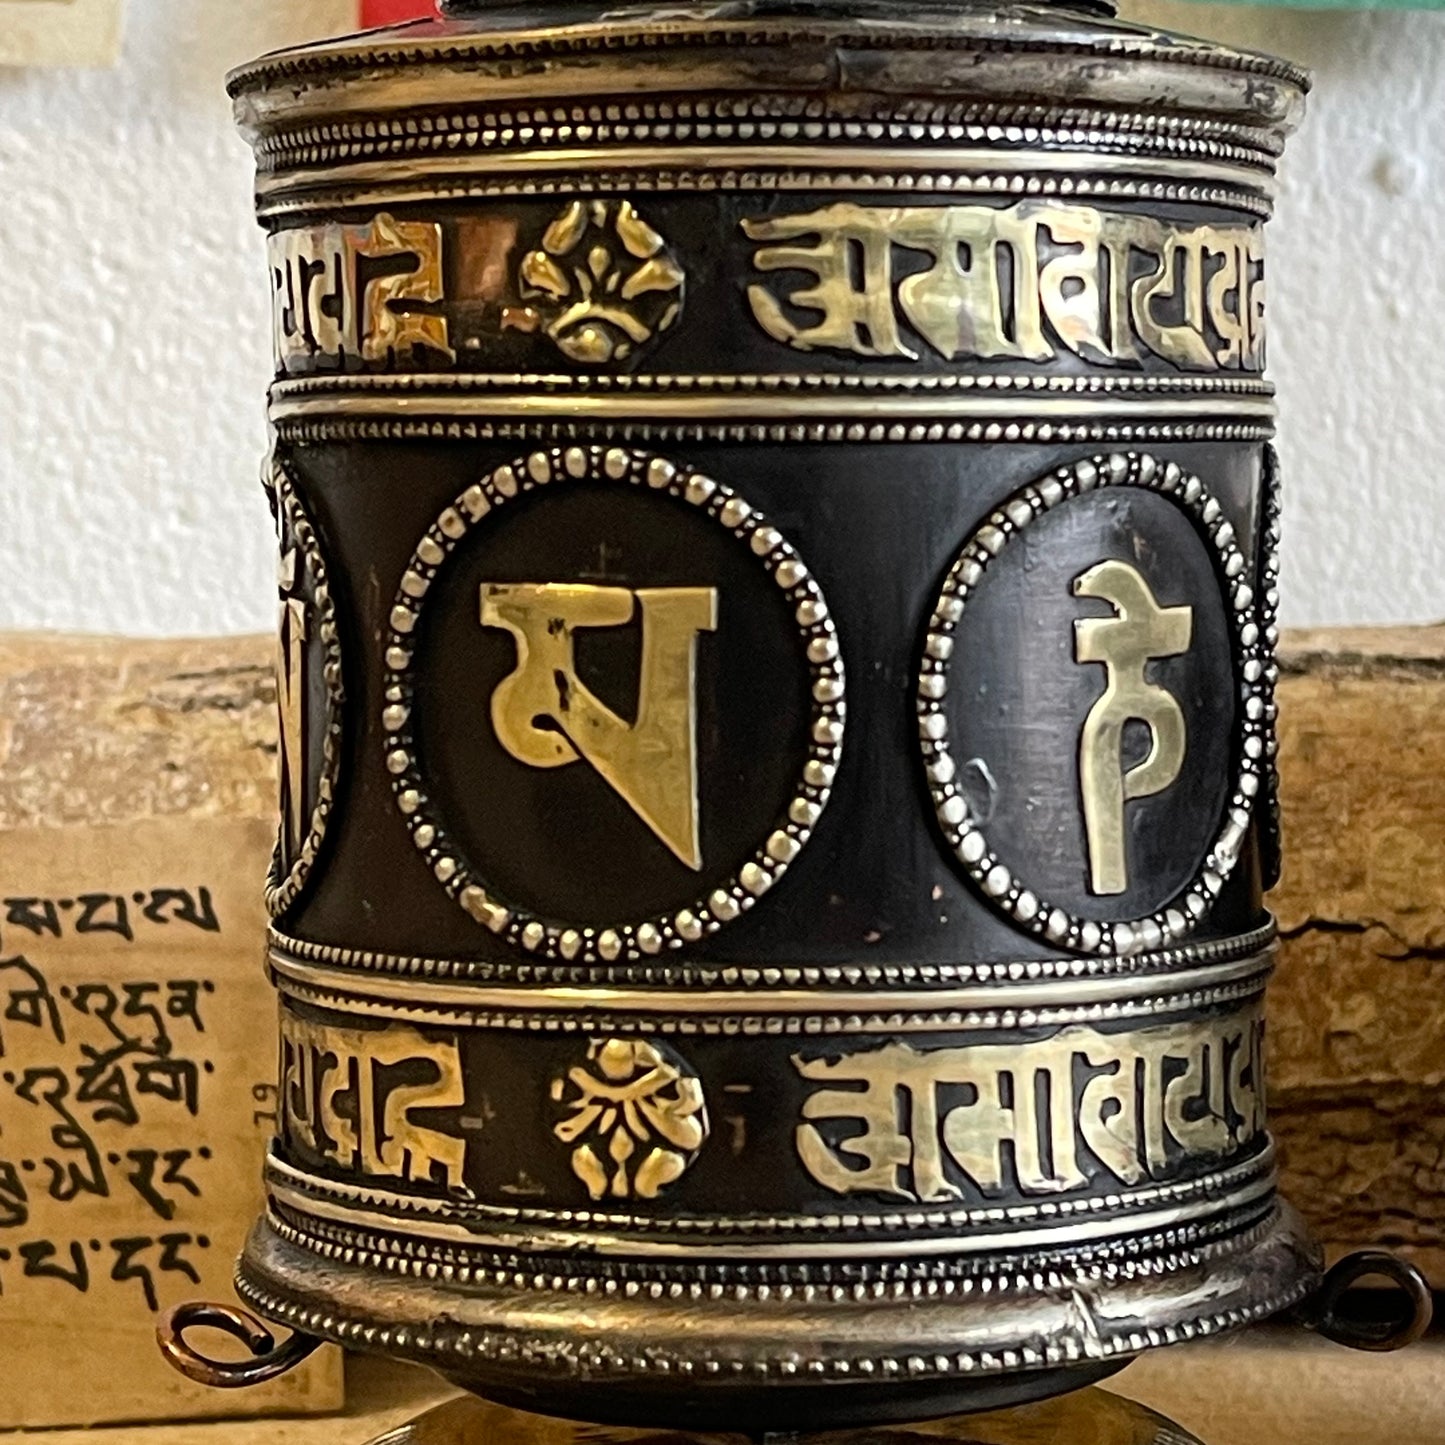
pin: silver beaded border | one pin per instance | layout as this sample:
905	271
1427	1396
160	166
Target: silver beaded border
303	196
283	886
778	118
966	838
317	431
859	974
1269	626
281	1294
761	1023
1164	1251
619	465
1250	1173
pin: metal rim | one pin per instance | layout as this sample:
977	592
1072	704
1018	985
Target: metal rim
479	1332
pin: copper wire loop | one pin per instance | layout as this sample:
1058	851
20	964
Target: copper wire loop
269	1361
1330	1313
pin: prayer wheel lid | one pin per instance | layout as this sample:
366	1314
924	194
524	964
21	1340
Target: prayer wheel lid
1027	55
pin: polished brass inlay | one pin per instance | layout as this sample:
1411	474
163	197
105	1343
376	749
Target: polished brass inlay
342	1099
291	704
546	717
626	1098
1021	281
363	291
602	282
1022	1114
1139	632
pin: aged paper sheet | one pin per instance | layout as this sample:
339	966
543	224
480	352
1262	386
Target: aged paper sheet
137	1091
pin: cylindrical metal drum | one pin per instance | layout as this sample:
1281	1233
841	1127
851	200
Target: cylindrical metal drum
777	537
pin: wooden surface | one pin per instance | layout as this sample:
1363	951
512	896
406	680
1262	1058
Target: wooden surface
1357	1010
109	730
380	1395
1269	1386
1278	1386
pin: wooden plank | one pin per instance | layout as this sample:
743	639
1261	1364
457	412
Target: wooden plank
1287	1387
1357	1011
380	1395
109	730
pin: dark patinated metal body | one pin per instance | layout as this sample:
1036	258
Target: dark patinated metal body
777	677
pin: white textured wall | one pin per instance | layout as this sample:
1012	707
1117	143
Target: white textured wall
1355	306
136	317
136	314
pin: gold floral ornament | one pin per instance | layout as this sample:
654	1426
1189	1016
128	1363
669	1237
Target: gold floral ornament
604	281
636	1117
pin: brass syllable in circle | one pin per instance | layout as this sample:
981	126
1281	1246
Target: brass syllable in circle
966	835
528	611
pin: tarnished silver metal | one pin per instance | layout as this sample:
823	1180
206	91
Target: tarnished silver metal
777	672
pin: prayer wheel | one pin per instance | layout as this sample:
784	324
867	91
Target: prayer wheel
778	601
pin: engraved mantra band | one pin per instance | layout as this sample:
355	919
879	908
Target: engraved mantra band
1111	288
1080	1113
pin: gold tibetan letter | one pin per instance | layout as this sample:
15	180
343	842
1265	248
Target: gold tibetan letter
1070	292
1177	278
957	305
291	701
852	263
650	763
898	1109
393	322
1125	644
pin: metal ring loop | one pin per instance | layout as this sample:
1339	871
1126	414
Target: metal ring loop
270	1360
1326	1315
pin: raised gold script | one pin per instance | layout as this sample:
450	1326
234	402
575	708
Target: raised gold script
546	717
362	292
1139	632
918	1123
339	1102
1024	282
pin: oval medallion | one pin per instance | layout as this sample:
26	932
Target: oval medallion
309	694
